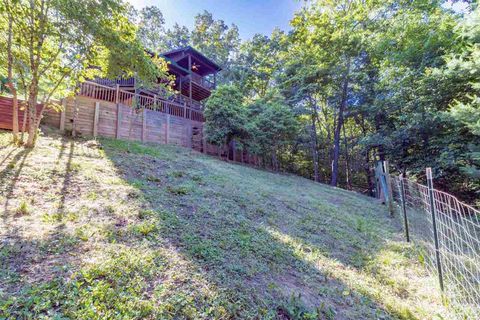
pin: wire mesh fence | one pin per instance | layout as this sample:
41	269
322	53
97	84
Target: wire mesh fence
447	234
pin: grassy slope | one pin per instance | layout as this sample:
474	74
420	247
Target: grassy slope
110	230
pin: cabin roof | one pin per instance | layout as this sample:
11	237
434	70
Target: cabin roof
199	56
178	68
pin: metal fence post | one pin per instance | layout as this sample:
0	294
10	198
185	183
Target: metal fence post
404	207
388	183
434	222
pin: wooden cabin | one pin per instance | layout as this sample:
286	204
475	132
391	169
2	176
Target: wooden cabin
195	78
123	109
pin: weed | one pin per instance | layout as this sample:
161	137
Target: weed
177	174
22	209
179	190
144	228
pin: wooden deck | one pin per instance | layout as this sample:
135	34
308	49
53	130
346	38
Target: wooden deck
116	95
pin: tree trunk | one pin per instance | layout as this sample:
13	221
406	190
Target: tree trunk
32	115
314	147
10	84
314	144
338	128
347	161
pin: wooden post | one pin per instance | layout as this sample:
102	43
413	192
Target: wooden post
185	109
119	121
63	114
75	116
144	124
189	134
95	119
204	141
155	103
191	75
167	128
117	94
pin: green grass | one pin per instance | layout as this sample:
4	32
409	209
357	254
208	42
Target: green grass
119	230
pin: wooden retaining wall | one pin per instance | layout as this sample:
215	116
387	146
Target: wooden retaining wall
91	117
6	113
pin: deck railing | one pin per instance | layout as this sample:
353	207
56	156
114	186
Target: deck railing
202	81
138	101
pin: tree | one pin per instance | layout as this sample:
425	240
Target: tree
215	40
330	34
225	116
258	63
9	83
56	42
272	127
151	29
177	37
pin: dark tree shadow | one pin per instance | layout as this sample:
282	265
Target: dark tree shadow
236	248
67	175
10	174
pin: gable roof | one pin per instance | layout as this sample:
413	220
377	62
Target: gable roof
195	53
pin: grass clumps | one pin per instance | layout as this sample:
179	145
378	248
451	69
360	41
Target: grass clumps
23	209
179	190
124	230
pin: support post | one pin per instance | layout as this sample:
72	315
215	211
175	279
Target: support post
434	223
155	103
144	124
119	121
189	134
95	119
204	141
167	128
75	116
117	94
63	114
404	208
191	75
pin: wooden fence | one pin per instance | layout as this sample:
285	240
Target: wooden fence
100	110
139	101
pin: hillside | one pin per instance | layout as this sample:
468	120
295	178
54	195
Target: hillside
107	229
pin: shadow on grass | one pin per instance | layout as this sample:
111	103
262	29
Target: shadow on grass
10	174
204	244
239	243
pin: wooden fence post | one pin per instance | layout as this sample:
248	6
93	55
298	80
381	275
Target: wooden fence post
63	114
117	94
119	121
75	116
204	141
95	119
144	124
189	134
167	128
